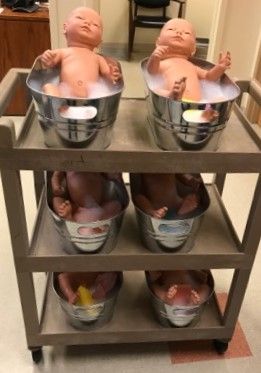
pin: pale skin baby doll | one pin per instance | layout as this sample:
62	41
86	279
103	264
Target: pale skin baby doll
80	65
170	59
81	196
158	194
180	288
100	283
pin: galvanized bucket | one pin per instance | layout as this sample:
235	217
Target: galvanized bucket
174	234
73	235
73	122
181	125
180	316
93	316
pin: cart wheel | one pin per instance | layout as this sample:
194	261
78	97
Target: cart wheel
37	355
220	346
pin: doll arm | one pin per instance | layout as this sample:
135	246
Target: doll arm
155	58
190	180
109	69
218	70
56	183
51	58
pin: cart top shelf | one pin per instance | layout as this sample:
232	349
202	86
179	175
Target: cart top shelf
132	148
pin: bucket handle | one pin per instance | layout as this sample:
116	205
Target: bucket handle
78	112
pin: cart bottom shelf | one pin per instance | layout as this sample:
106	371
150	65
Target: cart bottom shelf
133	321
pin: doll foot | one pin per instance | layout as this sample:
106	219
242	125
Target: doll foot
210	114
178	89
65	210
160	213
183	295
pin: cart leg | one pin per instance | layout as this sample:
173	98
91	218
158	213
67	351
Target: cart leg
37	354
220	345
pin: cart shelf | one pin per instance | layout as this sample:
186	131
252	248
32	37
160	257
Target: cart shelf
217	246
133	149
133	320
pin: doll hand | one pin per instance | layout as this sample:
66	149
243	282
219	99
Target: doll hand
115	73
224	60
159	52
49	58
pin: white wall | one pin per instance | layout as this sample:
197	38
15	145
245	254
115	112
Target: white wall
237	29
240	34
115	19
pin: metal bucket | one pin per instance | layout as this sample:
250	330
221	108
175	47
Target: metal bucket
180	316
90	316
85	122
180	125
175	234
72	233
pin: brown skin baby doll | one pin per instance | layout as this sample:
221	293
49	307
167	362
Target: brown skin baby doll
83	199
158	194
170	59
179	288
80	66
101	282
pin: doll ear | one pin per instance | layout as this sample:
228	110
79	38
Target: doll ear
64	27
193	52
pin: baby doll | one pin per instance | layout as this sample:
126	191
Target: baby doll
170	59
100	283
80	66
180	288
158	194
81	196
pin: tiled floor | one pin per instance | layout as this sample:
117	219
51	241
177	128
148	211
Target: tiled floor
155	357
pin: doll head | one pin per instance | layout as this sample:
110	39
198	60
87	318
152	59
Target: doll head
83	28
179	35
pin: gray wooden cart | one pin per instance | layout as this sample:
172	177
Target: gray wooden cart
132	150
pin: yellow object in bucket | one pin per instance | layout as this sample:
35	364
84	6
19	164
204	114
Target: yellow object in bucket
85	296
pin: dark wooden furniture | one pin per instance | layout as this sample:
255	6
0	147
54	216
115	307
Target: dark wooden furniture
137	19
23	37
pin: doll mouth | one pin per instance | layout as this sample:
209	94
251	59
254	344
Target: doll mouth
85	28
177	38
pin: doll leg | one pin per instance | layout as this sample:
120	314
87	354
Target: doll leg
104	282
110	209
189	204
51	89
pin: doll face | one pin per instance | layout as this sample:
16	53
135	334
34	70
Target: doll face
179	35
83	28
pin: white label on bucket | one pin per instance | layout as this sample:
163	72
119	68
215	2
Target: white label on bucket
180	317
172	233
178	227
195	116
79	112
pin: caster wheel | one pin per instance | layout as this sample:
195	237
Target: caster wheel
220	346
37	355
